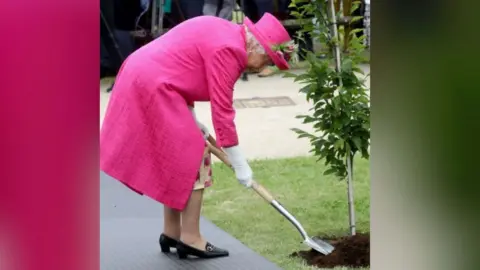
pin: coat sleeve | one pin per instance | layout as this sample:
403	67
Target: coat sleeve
223	69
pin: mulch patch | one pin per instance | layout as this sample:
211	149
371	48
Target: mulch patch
351	251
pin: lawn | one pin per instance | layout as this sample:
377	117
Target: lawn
318	202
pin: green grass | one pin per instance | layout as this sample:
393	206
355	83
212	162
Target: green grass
318	202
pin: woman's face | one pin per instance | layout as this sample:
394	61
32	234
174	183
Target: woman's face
257	61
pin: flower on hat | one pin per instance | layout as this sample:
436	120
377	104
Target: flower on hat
287	50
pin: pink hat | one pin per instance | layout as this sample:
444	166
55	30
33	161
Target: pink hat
269	32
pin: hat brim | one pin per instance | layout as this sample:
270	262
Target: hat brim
280	62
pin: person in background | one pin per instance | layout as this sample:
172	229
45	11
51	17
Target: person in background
366	23
111	57
223	9
151	140
219	8
191	8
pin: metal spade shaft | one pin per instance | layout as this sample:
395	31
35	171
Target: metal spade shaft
317	244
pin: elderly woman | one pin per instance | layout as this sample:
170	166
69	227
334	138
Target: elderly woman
151	140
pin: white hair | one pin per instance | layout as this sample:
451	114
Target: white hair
252	43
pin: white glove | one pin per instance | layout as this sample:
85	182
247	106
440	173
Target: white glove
201	126
243	172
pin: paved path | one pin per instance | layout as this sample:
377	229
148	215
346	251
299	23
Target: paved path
131	224
263	132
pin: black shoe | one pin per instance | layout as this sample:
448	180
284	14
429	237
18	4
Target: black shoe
166	243
211	251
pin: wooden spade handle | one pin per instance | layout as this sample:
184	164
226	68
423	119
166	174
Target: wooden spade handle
264	193
222	156
212	141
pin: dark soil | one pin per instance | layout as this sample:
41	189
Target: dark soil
351	251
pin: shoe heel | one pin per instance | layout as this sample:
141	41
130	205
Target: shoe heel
165	248
182	254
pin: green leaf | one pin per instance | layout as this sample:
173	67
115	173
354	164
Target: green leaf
308	119
330	171
326	96
306	135
319	104
318	112
289	74
319	143
337	124
305	89
356	19
302	77
297	130
347	65
363	99
339	144
365	153
336	102
357	142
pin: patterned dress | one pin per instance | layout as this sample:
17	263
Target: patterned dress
204	177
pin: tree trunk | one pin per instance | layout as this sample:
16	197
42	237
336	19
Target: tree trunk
351	206
344	7
336	48
347	11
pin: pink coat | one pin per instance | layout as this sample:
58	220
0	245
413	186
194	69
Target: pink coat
149	140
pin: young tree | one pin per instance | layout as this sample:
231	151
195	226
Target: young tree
341	109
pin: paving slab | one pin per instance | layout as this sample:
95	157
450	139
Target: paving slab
130	226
